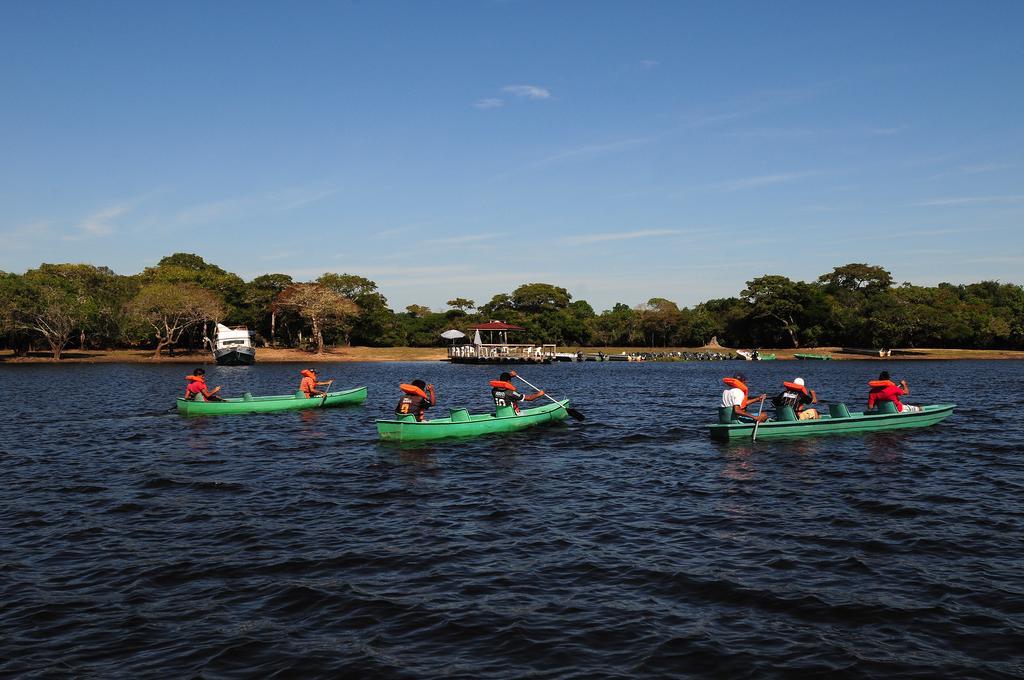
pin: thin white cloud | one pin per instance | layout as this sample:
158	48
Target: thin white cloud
589	150
457	240
758	181
297	198
775	133
282	255
619	236
21	236
972	170
527	91
381	272
969	200
648	64
888	131
216	211
489	103
998	259
99	223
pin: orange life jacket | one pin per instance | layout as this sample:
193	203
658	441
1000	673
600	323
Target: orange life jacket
412	389
793	386
881	383
308	384
196	385
502	385
733	382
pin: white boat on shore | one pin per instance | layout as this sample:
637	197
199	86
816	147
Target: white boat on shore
233	346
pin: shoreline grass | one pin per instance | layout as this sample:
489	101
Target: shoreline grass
268	355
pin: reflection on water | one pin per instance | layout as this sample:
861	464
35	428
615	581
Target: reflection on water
140	543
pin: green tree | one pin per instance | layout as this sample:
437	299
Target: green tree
499	307
418	311
321	306
190	268
259	297
776	303
171	309
615	326
374	319
660	319
462	304
858	277
540	297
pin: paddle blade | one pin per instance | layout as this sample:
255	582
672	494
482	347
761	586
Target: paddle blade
574	414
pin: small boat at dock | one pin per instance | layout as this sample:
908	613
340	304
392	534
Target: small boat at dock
285	402
813	357
837	420
461	423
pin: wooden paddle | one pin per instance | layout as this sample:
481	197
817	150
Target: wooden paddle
757	421
576	415
326	392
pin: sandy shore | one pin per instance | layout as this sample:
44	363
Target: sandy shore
263	355
338	354
835	352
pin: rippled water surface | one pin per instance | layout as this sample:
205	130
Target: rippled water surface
137	543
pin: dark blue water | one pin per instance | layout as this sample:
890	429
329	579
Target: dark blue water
137	543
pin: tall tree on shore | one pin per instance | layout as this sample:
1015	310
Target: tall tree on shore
418	311
462	304
776	302
259	299
373	317
182	268
49	309
171	309
319	305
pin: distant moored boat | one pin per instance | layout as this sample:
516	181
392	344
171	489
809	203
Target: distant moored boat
233	346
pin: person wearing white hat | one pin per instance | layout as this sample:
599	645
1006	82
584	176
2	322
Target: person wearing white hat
798	397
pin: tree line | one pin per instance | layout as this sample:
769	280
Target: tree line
173	305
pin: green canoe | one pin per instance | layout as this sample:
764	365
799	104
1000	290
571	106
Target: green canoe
461	424
282	402
814	357
839	419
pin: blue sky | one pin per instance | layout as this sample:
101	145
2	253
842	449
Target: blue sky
623	150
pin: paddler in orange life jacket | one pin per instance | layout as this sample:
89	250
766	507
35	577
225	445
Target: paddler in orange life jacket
736	396
504	392
197	385
797	397
884	389
415	399
309	384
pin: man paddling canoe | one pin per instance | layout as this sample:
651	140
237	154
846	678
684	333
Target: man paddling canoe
310	383
735	396
415	400
884	389
197	385
798	397
504	392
